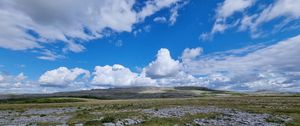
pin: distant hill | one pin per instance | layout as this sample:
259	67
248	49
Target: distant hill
129	93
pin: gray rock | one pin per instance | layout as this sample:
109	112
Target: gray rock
109	124
32	116
228	117
182	111
125	122
48	111
119	123
80	124
237	118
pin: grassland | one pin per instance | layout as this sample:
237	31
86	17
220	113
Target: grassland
40	100
95	112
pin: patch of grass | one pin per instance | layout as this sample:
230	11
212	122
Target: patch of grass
82	117
40	100
295	121
43	115
162	122
274	120
45	124
93	123
108	119
178	121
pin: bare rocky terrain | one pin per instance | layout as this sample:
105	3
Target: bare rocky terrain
224	117
34	116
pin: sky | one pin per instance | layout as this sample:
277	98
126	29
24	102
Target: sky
239	45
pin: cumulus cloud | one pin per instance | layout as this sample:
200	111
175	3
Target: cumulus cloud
163	71
118	75
163	66
251	68
180	79
63	77
16	84
33	24
6	79
113	75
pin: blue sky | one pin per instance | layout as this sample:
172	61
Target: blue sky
243	45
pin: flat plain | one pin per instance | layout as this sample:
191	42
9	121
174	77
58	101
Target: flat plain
209	108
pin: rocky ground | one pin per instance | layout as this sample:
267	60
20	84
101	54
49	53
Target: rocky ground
124	122
224	117
34	116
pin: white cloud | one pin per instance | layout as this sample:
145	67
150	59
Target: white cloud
10	80
154	6
20	77
32	24
268	81
142	80
219	27
205	36
224	11
1	78
258	67
288	9
160	19
190	54
283	12
145	28
163	66
119	43
229	7
164	71
173	13
113	75
180	79
244	67
118	75
252	68
16	84
51	56
63	77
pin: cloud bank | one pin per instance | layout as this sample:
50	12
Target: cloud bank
258	67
